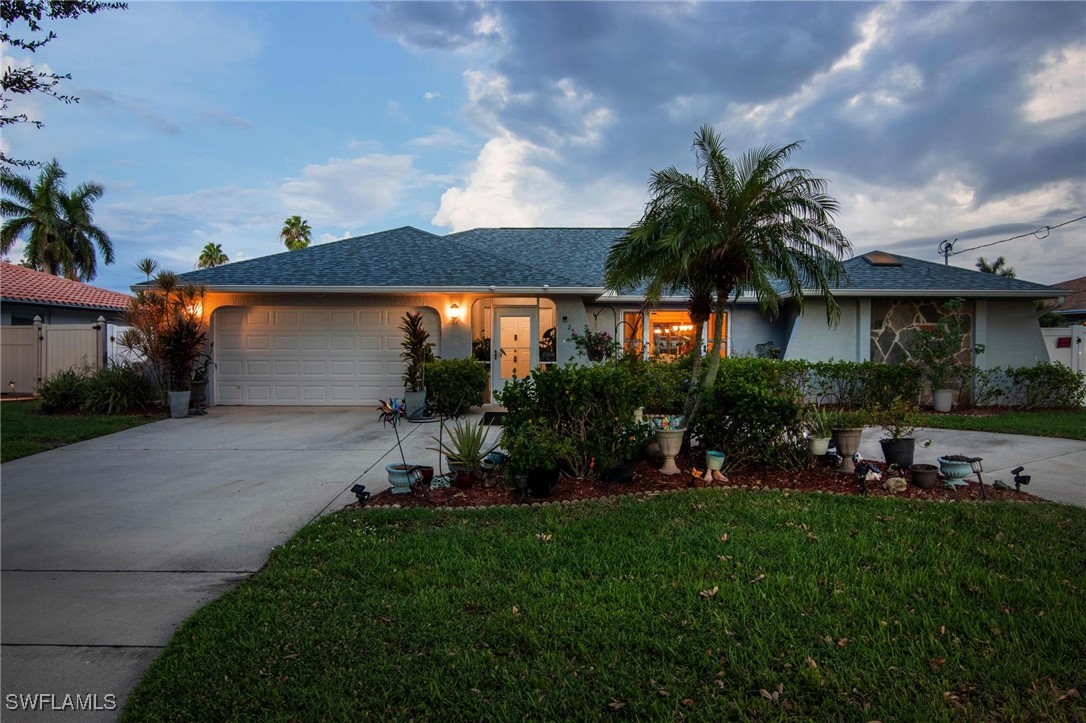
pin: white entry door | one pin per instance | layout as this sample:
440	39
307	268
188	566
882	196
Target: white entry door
516	351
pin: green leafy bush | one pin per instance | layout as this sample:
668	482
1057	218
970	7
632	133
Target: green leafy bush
592	406
117	389
63	391
1041	386
752	425
453	385
862	384
666	383
535	446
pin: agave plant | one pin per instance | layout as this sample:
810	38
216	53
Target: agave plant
466	444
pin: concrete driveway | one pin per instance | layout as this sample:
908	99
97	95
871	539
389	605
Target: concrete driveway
108	545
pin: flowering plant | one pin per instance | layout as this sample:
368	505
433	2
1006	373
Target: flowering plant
596	345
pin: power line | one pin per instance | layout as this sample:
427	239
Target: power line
946	248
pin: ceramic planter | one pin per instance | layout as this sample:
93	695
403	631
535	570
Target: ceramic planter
923	475
426	474
199	393
401	477
179	404
818	446
847	441
670	442
714	460
942	399
464	474
955	471
898	451
542	482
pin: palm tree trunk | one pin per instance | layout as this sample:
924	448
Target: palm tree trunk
693	393
719	308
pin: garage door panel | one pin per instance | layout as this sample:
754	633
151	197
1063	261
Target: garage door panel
283	355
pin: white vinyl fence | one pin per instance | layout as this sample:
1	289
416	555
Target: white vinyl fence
1065	344
29	354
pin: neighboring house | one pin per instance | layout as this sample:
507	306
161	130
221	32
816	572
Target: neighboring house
1073	306
26	293
319	326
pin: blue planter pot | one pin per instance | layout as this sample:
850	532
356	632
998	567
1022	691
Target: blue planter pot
954	471
401	478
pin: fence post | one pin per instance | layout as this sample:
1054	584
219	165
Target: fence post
100	342
39	328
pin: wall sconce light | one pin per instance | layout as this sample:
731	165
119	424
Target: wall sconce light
454	313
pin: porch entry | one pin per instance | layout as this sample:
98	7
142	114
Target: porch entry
515	352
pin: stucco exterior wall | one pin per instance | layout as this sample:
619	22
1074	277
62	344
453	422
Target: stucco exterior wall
815	340
747	329
1011	334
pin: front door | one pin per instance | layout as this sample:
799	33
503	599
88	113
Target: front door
516	352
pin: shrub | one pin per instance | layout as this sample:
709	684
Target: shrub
1041	386
665	383
752	425
63	391
535	445
861	384
453	385
593	407
417	350
117	389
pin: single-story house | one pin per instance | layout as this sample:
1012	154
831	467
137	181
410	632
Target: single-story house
26	293
319	326
1072	309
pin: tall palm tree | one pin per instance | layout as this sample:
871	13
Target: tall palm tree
754	225
212	256
295	233
61	235
998	267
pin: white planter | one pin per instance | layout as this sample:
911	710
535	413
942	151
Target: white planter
179	404
942	399
818	446
670	442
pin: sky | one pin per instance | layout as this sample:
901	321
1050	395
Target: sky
214	122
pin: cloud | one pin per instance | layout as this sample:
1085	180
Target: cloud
1056	88
431	95
140	108
439	25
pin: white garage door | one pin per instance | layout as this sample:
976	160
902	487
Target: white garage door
284	355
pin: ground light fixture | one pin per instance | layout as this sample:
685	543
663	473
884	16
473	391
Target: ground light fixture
361	493
977	467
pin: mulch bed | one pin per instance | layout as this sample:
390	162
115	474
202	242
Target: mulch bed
490	490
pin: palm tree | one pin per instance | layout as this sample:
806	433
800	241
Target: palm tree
59	226
755	225
295	233
998	267
147	266
212	256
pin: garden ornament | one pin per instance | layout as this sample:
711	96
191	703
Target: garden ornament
866	472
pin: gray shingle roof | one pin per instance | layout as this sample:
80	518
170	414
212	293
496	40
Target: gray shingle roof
400	257
917	275
533	257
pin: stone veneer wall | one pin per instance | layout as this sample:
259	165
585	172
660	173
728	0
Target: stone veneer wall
894	323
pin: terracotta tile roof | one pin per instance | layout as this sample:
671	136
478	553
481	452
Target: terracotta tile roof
18	283
1076	300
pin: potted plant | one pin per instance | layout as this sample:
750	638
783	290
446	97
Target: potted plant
417	351
596	345
200	379
669	438
536	450
938	352
817	422
465	449
923	475
955	468
401	475
847	428
621	448
898	421
183	342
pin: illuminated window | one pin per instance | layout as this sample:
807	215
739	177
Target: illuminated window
723	334
670	334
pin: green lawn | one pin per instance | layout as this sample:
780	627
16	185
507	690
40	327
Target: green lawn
711	605
25	431
1070	424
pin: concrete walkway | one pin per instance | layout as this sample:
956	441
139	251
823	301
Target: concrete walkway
108	545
